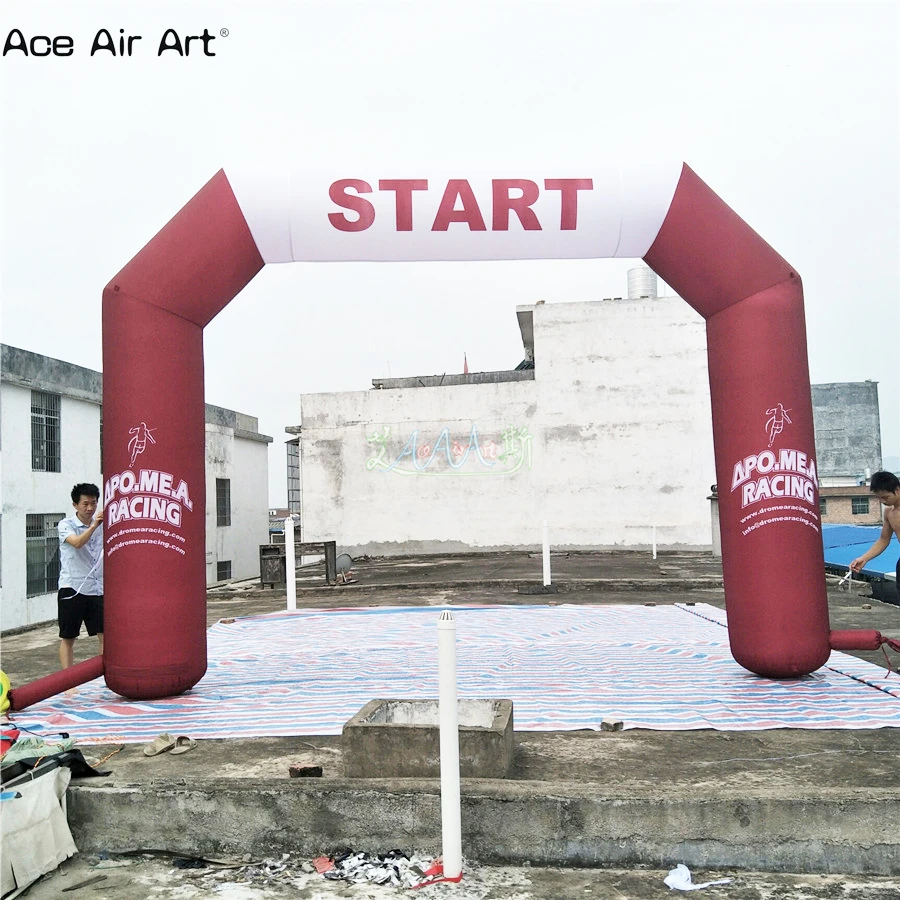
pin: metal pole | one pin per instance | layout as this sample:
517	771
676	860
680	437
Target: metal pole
546	554
290	563
451	827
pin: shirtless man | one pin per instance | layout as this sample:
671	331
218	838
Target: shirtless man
886	487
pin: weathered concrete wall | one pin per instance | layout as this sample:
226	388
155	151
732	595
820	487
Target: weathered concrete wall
623	394
33	370
368	482
502	822
241	456
26	492
448	380
612	437
848	430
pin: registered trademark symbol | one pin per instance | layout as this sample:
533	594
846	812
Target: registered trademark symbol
223	32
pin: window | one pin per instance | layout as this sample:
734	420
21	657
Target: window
859	506
823	506
42	553
293	475
223	501
223	570
45	452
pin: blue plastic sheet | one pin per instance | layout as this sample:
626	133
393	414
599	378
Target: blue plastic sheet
843	543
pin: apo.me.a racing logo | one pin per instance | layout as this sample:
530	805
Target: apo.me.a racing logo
147	493
142	434
778	417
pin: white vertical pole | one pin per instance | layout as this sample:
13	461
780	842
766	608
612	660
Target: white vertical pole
546	553
290	563
451	826
654	541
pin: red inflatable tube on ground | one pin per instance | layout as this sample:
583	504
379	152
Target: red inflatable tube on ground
54	684
861	640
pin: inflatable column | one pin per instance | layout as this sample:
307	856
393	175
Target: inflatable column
154	312
772	553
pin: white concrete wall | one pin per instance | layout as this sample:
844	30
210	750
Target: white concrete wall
617	422
26	492
392	510
245	463
623	391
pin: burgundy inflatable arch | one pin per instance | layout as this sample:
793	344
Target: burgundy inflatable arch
155	309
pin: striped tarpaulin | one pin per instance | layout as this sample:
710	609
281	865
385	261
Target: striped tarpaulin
565	667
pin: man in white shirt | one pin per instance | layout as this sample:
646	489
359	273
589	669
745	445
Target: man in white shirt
80	598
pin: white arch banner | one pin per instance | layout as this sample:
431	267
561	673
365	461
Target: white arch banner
327	214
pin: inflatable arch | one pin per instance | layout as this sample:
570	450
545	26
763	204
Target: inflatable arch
155	309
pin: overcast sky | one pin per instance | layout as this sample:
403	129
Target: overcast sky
788	110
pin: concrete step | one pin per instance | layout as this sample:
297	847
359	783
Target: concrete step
555	823
781	800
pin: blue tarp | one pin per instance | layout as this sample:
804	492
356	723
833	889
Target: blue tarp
843	543
841	535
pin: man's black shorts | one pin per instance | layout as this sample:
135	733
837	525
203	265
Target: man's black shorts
73	609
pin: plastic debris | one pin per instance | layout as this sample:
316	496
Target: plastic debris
394	868
679	878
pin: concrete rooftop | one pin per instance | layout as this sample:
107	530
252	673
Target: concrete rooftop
774	801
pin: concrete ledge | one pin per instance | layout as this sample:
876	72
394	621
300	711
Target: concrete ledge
600	585
543	822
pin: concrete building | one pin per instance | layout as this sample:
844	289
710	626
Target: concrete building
237	494
848	450
848	432
604	431
850	505
58	405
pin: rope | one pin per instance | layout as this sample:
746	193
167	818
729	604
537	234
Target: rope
108	756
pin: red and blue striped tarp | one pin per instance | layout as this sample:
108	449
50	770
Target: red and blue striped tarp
665	667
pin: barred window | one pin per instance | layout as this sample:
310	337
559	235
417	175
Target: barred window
823	506
223	570
859	506
223	501
45	432
293	475
42	553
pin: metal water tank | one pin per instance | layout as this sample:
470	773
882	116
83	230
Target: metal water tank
641	283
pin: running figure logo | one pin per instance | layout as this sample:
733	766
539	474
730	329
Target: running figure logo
775	425
138	444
